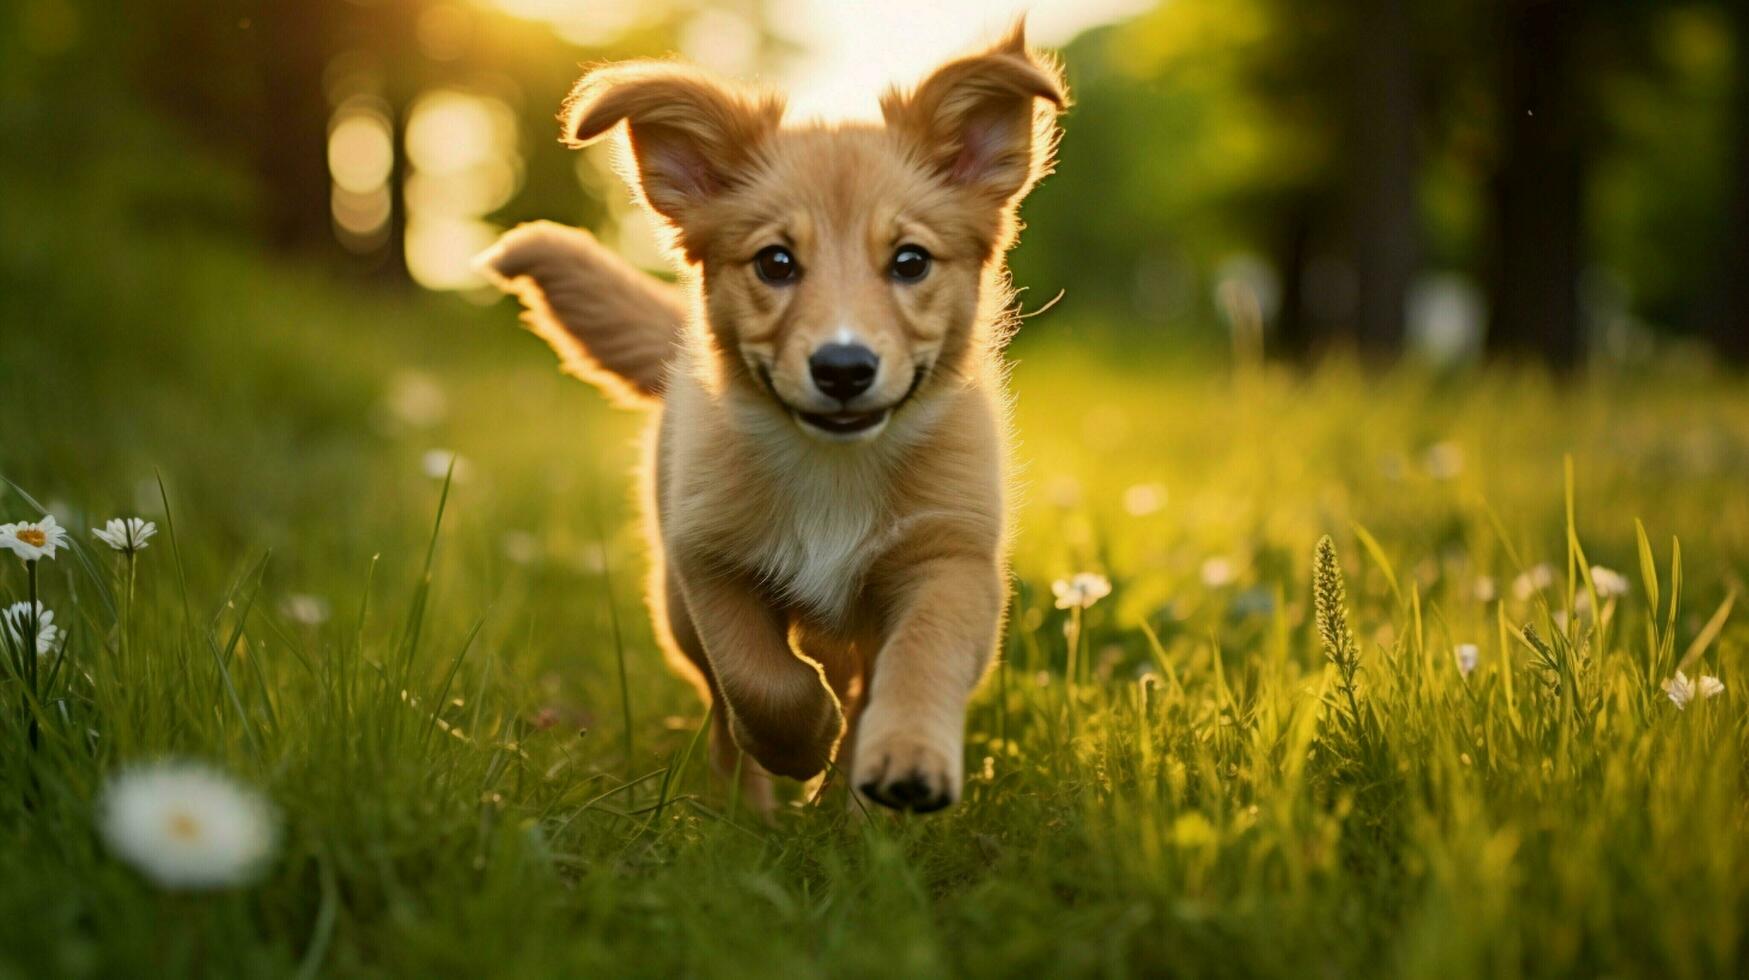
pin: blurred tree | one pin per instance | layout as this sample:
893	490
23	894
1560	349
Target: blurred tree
291	44
1381	162
1730	326
1538	188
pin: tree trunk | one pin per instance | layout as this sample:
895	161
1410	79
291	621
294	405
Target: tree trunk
1730	327
1383	219
1292	338
292	137
1539	187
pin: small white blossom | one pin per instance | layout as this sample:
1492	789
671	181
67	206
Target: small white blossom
1681	690
31	541
521	547
1217	572
1144	499
1081	590
416	400
1467	656
436	464
1443	460
310	610
1485	589
1065	492
1608	582
126	535
17	619
1533	580
184	825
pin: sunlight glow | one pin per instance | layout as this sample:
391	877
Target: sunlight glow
464	165
361	151
361	159
852	50
591	23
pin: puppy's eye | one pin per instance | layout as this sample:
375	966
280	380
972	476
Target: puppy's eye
910	263
775	264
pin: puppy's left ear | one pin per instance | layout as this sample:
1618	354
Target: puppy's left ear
987	122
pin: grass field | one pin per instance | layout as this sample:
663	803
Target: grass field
1196	789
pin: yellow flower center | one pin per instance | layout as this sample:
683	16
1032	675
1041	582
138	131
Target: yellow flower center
33	536
184	827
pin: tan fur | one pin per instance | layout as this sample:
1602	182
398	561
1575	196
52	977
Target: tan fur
611	324
833	595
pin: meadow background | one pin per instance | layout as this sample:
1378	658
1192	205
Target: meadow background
1480	354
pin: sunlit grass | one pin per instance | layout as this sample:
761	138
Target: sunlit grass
427	682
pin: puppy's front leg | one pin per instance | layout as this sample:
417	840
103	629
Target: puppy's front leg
779	709
910	740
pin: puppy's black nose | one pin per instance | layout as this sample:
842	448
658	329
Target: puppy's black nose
843	371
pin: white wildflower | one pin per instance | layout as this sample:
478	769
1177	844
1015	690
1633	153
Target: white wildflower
17	619
184	825
1217	572
1065	492
1081	590
126	535
1485	589
1443	460
1681	690
521	547
1467	656
1608	582
436	464
1533	580
310	610
415	399
33	540
1144	499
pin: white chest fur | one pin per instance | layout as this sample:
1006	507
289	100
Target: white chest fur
825	524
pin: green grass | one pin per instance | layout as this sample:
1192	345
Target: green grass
1201	797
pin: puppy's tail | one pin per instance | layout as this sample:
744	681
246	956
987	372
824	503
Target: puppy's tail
610	323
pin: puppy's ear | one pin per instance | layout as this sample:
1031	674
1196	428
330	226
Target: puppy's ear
691	136
986	122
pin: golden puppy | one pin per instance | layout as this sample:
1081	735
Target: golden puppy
827	479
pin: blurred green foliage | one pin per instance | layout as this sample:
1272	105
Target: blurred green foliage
1236	142
1178	805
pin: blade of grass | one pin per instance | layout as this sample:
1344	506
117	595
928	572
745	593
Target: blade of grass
1378	556
1708	633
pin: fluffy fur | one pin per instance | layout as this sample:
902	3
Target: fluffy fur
837	592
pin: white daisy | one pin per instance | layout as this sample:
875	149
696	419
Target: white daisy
31	541
1217	572
1467	656
1533	580
1485	589
310	610
1065	492
1081	590
415	399
184	825
436	464
1608	582
17	619
1681	690
1443	460
126	535
521	547
1144	499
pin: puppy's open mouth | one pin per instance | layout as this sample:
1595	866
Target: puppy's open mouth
846	423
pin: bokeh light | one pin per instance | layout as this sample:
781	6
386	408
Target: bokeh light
463	164
361	161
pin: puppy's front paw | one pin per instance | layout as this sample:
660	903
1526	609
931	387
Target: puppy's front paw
797	743
906	771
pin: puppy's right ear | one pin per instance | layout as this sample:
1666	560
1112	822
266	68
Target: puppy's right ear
691	136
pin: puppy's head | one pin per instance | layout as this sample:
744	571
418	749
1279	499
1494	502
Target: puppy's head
844	267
